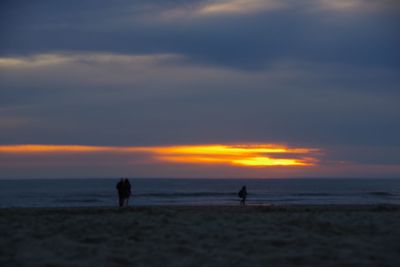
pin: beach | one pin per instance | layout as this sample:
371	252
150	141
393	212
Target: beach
332	235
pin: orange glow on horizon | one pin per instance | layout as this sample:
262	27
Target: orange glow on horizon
26	149
231	149
245	155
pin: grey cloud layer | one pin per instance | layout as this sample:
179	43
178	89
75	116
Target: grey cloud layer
302	31
165	72
136	100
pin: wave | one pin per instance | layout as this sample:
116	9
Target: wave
89	200
314	194
182	194
379	193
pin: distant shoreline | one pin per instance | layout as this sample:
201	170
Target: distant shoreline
183	192
200	207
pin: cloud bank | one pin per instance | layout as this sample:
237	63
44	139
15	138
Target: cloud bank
133	73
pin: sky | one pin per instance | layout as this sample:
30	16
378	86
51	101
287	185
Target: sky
199	88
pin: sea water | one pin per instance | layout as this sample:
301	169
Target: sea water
102	192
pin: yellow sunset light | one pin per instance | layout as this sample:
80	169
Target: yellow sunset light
245	155
266	161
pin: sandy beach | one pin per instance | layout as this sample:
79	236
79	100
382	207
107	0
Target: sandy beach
201	236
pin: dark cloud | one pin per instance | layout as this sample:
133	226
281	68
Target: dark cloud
282	106
247	41
156	73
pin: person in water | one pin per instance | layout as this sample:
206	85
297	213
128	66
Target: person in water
121	192
127	191
243	194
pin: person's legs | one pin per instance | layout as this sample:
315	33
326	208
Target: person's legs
121	201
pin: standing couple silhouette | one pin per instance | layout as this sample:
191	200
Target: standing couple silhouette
124	192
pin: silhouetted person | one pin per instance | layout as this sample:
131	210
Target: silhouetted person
243	194
127	191
121	192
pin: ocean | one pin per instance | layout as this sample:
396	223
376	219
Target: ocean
102	192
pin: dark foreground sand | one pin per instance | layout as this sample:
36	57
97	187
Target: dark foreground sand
201	236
